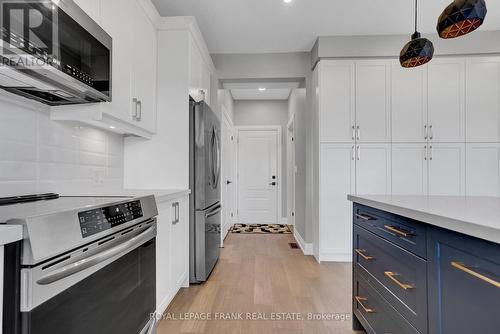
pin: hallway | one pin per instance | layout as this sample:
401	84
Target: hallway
261	274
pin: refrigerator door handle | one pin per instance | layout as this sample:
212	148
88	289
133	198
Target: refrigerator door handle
214	211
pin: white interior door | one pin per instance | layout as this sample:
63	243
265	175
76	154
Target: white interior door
258	176
227	180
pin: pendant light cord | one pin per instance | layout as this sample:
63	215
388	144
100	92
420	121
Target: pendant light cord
416	14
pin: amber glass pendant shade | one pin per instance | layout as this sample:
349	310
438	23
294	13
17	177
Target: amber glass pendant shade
461	17
416	52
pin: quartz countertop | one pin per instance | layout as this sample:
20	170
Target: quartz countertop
161	195
10	233
475	216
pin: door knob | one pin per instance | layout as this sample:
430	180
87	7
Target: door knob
229	182
272	183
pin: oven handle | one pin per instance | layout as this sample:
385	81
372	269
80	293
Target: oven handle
94	260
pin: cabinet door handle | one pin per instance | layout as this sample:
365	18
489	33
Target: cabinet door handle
430	152
359	152
426	133
136	103
431	133
139	104
360	301
361	252
358	133
425	152
398	231
175	206
353	132
466	269
353	157
393	278
365	217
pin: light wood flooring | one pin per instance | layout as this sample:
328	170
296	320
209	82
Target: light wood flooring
263	276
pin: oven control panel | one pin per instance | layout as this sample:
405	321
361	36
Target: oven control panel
98	220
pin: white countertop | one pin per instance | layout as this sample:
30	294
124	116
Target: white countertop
475	216
10	233
161	195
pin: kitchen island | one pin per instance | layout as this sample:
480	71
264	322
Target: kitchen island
426	264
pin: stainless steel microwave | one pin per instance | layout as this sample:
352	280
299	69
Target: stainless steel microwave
53	52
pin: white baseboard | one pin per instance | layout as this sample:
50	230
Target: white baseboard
335	257
164	304
284	221
307	249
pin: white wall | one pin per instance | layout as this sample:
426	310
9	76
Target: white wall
250	113
297	108
39	155
226	99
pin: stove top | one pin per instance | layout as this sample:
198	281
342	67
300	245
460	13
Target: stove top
27	198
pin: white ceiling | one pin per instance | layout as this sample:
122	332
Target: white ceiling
260	26
250	91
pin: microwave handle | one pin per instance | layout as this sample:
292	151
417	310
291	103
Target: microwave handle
91	261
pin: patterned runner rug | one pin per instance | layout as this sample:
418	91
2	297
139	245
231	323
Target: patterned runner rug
260	229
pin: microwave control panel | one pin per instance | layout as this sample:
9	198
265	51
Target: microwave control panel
97	220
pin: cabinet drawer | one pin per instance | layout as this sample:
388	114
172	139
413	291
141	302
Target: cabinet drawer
464	284
400	276
404	232
376	314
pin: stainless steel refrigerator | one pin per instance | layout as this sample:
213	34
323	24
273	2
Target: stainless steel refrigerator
205	169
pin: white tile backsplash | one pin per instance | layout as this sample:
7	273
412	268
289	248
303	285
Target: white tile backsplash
40	155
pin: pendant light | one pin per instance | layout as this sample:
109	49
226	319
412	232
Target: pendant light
419	50
461	17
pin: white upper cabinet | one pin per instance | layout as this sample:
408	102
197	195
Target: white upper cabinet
409	107
483	96
144	71
409	169
91	7
446	169
373	169
133	88
120	29
336	101
446	99
373	110
483	169
200	75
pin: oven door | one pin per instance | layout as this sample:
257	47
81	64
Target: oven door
104	288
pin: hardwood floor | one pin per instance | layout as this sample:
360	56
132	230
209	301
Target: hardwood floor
261	274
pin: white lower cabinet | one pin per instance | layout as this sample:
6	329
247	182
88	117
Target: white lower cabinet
180	245
409	169
483	169
337	180
172	251
446	169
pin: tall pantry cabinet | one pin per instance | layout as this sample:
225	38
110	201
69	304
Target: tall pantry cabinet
382	129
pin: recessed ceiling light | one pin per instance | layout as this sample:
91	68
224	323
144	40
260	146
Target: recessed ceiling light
112	127
262	89
287	1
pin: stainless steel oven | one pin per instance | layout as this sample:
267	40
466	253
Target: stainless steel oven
106	284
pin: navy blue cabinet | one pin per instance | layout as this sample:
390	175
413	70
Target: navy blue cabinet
422	279
464	284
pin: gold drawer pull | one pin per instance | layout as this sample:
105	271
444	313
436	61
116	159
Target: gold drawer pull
393	278
471	272
365	217
361	252
360	301
398	231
